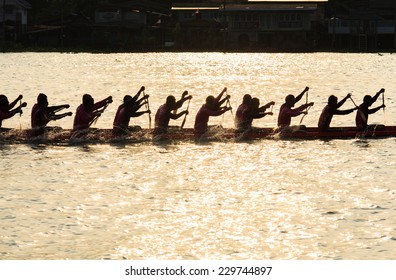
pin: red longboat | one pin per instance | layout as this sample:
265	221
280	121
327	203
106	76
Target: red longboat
93	135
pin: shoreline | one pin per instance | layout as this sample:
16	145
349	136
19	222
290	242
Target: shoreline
18	48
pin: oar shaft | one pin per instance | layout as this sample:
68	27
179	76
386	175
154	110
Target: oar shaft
229	106
185	116
306	113
306	110
383	100
148	108
99	113
360	112
350	97
20	106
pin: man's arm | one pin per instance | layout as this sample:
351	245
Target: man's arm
298	97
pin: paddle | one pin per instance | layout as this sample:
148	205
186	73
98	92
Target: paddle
350	97
184	94
306	110
99	113
20	114
228	105
185	116
147	108
360	112
383	104
20	106
383	100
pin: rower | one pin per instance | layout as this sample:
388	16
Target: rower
89	111
364	111
129	109
218	101
330	110
164	113
286	112
254	112
6	108
296	99
210	108
241	111
42	114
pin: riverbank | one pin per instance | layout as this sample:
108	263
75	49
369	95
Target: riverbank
18	47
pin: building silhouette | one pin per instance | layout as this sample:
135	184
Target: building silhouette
226	25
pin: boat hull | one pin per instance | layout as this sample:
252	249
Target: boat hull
143	135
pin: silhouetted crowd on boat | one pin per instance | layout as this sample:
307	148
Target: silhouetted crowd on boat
89	111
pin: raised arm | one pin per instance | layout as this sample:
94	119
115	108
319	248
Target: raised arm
298	97
339	104
139	104
13	103
102	103
375	97
178	115
218	98
54	109
374	110
136	97
60	116
261	115
138	114
300	110
10	114
183	99
344	112
218	112
266	106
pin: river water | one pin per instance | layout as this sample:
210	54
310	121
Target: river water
266	199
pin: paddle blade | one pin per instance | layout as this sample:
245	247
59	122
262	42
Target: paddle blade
149	121
183	123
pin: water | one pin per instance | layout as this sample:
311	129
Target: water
267	199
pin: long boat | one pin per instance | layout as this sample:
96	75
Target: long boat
59	135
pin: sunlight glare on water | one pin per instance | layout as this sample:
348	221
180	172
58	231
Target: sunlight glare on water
266	199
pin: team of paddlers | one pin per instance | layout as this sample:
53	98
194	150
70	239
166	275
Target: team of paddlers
89	111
